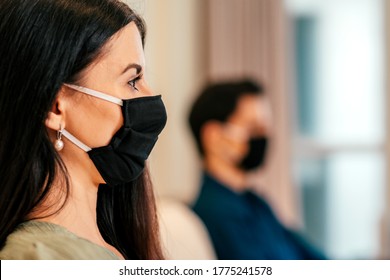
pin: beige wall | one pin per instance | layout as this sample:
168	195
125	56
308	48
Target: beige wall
175	58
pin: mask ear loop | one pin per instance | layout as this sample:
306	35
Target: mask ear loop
59	144
75	141
97	94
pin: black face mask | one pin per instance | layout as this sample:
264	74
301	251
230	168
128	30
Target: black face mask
256	154
123	159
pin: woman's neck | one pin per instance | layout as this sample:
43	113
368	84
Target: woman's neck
78	214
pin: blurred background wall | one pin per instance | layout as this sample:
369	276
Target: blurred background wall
324	65
176	63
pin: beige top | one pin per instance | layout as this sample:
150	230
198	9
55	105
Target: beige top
46	241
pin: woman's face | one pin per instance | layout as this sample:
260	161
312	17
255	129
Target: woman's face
119	72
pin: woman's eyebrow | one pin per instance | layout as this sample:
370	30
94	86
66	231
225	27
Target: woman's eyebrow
137	67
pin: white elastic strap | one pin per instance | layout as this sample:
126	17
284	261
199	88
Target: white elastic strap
97	94
75	141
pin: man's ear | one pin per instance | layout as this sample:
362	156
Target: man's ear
55	119
210	134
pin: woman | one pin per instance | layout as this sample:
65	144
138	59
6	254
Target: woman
77	123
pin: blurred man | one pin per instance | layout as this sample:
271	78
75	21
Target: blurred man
231	123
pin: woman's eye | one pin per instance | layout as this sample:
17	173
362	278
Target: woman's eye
133	82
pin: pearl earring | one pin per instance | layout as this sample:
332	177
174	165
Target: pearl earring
59	144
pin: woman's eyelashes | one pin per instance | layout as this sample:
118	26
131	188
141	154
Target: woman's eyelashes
133	82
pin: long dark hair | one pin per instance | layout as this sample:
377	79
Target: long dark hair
43	44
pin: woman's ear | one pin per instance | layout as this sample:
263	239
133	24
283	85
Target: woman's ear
55	119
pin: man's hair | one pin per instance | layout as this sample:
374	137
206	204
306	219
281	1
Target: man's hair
217	102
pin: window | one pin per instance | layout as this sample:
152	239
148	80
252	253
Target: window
340	132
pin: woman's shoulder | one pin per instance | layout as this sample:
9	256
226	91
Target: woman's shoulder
45	241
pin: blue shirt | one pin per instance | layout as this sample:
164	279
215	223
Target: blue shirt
243	226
